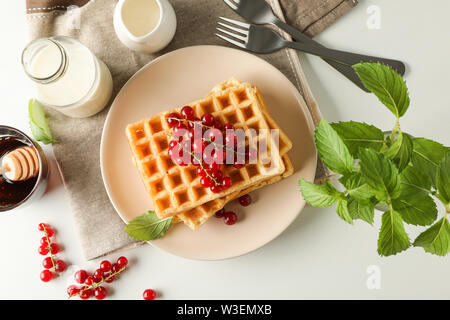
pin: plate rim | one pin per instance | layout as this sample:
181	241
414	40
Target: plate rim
299	97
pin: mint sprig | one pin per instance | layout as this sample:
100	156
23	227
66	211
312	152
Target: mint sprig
403	175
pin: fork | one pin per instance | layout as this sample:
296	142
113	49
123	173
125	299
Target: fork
263	40
259	12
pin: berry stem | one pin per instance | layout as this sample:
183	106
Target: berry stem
200	162
95	285
50	249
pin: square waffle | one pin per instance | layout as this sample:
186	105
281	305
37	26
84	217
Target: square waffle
196	217
174	189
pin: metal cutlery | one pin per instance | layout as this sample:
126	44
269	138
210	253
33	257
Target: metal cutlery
260	39
259	12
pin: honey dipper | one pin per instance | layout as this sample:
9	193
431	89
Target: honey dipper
20	164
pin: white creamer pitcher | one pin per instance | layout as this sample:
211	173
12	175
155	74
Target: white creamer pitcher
145	25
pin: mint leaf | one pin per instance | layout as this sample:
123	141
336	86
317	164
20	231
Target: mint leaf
436	239
416	207
380	174
38	122
393	237
342	210
443	179
386	84
416	179
401	151
357	186
332	149
359	135
361	209
319	195
148	227
427	156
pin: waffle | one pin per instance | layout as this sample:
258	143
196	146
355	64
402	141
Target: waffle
198	216
175	189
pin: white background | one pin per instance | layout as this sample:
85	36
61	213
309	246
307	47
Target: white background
319	255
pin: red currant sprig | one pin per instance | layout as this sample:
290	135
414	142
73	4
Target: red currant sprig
50	263
91	284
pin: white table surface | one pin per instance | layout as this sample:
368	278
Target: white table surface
319	256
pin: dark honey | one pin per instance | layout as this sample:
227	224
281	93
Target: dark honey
13	192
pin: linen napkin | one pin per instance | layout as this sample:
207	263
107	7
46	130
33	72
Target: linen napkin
99	227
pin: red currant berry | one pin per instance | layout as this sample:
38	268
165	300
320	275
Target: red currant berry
42	226
173	119
217	175
245	200
218	125
98	275
105	266
55	248
85	293
187	113
230	218
214	134
47	263
122	262
216	189
214	167
60	266
220	213
180	131
228	126
218	156
100	293
44	241
46	275
173	144
227	182
109	278
72	290
43	250
206	182
49	232
149	294
89	281
208	120
80	276
115	268
194	123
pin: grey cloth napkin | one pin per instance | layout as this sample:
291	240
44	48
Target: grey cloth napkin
99	227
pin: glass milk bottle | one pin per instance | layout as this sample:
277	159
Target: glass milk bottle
68	76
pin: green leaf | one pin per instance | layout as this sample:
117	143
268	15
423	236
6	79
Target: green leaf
393	237
357	186
427	156
380	174
38	122
386	84
148	227
319	195
359	135
415	206
361	209
436	239
342	210
443	179
401	151
416	179
332	149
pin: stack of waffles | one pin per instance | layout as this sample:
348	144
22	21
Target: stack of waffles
176	190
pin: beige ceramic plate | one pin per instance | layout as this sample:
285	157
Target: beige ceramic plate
178	78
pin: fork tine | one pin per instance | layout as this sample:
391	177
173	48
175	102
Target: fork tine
239	23
244	32
231	4
232	34
236	43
